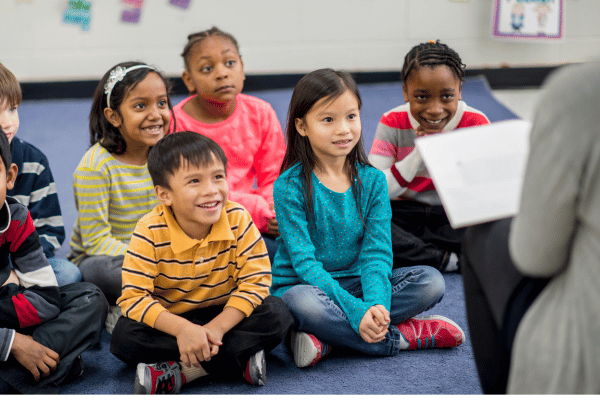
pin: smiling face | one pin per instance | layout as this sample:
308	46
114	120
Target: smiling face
9	119
332	127
433	94
197	195
143	117
216	71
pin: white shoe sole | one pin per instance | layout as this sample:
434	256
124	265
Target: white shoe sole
303	348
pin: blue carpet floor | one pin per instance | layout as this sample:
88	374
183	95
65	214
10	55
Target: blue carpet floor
60	129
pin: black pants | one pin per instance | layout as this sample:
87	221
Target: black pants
497	296
77	328
134	342
422	235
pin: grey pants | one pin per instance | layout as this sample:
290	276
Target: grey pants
104	272
77	328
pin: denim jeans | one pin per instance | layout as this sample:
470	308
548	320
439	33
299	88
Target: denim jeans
66	272
271	245
414	290
104	272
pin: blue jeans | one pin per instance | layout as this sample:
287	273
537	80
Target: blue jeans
66	272
271	246
414	290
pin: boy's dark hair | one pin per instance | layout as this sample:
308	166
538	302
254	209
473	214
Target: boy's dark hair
312	87
10	90
432	54
5	152
197	37
101	130
173	150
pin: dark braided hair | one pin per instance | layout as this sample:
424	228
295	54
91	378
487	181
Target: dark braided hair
432	54
197	37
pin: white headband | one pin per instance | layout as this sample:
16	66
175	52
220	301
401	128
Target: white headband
117	75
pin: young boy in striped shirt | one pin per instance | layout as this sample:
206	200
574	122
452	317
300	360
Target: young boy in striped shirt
196	277
34	185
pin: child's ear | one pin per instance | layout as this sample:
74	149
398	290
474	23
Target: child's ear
301	126
163	195
405	92
11	176
113	117
460	91
187	80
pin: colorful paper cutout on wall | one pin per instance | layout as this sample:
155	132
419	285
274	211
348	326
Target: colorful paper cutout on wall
180	3
78	12
133	11
528	19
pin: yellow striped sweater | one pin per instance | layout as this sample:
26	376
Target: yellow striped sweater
164	269
110	197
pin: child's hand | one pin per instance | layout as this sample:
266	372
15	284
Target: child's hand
420	132
12	278
37	359
373	326
215	335
273	226
381	315
195	345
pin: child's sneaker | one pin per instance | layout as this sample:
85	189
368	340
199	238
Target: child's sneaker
256	369
432	331
158	378
307	349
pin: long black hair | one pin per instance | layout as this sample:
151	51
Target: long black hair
101	130
317	85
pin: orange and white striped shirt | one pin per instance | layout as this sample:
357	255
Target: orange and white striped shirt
164	269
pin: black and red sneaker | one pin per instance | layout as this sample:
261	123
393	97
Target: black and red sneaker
158	378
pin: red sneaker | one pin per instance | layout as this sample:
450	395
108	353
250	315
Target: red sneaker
432	331
307	349
256	369
158	378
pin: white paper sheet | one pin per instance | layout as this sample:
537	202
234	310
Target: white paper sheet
478	171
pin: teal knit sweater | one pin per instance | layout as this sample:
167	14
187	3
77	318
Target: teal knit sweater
335	243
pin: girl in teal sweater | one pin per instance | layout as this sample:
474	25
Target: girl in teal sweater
333	268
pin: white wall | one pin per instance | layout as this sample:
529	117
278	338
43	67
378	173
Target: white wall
276	36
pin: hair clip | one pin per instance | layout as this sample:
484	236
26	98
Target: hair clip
117	75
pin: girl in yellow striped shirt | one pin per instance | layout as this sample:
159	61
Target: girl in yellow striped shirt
131	111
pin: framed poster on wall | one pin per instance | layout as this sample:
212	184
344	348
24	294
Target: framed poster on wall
535	20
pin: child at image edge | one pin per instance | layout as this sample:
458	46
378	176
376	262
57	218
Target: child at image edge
34	186
333	268
245	127
43	328
131	111
432	78
196	277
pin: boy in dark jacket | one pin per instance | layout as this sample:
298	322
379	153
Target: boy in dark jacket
43	328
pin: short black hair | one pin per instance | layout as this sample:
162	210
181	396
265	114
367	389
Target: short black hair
5	151
173	150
